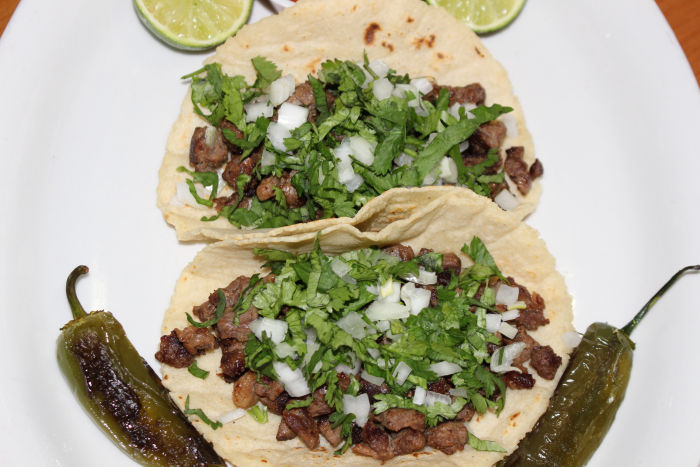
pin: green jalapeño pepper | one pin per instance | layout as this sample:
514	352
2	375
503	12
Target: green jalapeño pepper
589	393
121	392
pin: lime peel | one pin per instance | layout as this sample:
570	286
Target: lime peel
193	24
482	16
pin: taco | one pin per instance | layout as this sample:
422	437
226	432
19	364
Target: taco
366	355
308	118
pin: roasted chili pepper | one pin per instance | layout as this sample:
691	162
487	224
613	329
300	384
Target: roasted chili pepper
589	393
121	392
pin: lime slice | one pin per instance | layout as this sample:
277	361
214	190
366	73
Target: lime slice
193	24
482	15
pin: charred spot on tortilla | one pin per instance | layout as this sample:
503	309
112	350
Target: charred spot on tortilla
440	55
286	48
388	45
429	41
371	29
478	52
409	19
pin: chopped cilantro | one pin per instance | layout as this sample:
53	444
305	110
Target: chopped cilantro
200	413
196	371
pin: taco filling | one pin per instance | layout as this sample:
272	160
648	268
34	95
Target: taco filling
383	351
277	152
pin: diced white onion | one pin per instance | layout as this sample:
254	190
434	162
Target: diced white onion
375	353
390	291
506	295
510	353
416	298
291	115
571	339
354	183
458	392
432	397
281	89
373	289
362	149
506	200
284	350
379	68
383	325
277	133
276	329
424	85
231	415
463	146
403	159
510	314
448	170
519	305
445	368
419	395
293	380
254	110
382	89
426	277
381	310
357	405
183	197
401	372
267	158
402	89
318	367
343	368
493	322
340	267
353	324
511	125
372	379
508	330
431	177
311	348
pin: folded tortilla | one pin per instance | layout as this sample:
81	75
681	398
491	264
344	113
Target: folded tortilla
409	35
443	224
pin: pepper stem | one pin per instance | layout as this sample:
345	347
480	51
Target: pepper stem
75	307
639	316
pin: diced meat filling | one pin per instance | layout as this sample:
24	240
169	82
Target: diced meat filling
517	169
243	391
448	437
284	433
488	136
517	380
232	360
196	340
407	441
303	425
403	252
545	361
398	419
266	189
331	434
207	149
236	167
172	352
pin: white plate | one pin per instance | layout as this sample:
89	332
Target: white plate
88	97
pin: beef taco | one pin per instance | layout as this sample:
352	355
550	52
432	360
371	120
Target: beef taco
435	340
309	118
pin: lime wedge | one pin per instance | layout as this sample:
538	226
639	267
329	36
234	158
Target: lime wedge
193	24
482	15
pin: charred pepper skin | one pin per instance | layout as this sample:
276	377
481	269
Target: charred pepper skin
587	397
121	392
